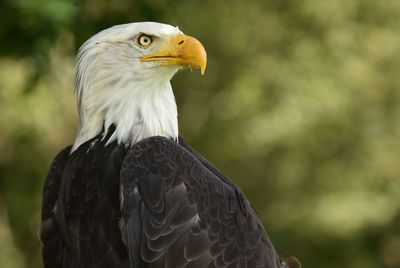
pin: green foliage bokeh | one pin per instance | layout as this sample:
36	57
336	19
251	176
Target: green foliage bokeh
300	106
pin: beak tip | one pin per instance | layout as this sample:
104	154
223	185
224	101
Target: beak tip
203	64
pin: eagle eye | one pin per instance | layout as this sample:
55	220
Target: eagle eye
145	40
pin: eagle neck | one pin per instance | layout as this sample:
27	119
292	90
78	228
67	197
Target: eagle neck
138	111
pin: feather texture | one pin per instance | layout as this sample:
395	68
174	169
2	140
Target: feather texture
157	204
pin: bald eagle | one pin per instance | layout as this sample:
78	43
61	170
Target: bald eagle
130	192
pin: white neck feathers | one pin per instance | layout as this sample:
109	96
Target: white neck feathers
139	113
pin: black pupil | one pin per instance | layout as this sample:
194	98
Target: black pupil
145	40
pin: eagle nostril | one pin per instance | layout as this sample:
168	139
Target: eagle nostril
181	42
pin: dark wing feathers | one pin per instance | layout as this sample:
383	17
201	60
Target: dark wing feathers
190	215
158	204
87	214
50	235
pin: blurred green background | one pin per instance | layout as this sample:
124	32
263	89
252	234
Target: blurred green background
300	106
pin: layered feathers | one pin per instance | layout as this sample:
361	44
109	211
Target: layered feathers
157	204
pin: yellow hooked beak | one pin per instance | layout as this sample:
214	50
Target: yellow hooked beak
180	50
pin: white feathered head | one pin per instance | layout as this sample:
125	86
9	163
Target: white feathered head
123	78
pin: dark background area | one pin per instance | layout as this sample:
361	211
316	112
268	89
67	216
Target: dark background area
299	106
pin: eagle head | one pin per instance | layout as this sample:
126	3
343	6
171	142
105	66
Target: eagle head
123	78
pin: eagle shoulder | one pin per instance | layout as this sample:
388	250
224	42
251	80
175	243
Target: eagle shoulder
179	213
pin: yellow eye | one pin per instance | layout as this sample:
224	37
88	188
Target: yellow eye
145	40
